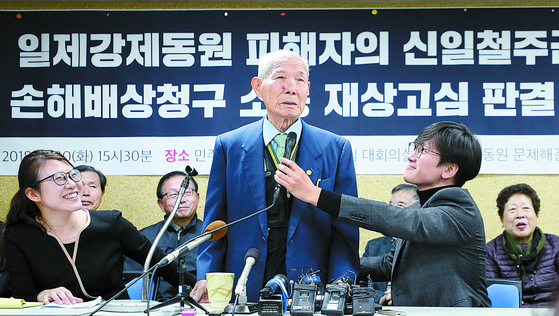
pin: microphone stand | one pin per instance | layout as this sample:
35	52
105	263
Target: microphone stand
190	172
147	270
183	294
125	288
242	307
184	290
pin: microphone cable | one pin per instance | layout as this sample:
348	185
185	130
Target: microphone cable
239	220
151	280
235	305
152	269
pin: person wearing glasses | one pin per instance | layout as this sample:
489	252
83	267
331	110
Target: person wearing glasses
55	250
184	226
439	256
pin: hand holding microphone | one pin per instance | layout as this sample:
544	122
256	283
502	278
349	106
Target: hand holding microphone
290	143
297	182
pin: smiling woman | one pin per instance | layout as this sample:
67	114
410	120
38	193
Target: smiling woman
47	224
523	251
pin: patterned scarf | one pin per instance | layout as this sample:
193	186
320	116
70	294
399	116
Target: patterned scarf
529	260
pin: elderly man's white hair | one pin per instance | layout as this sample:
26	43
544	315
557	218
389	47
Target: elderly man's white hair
271	61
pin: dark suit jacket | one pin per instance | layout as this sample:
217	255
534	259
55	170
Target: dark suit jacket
236	189
440	259
377	247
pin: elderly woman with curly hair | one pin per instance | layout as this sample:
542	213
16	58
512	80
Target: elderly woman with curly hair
523	251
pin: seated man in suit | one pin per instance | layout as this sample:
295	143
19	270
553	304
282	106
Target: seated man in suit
439	257
184	226
403	195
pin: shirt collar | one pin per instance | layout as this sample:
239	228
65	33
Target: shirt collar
269	130
186	227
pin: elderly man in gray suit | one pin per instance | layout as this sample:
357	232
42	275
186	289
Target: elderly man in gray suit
439	259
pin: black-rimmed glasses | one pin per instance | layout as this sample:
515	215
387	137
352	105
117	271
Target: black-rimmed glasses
420	149
61	178
172	195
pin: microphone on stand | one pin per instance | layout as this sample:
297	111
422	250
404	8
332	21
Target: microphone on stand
214	230
181	251
290	143
273	297
251	259
274	286
190	172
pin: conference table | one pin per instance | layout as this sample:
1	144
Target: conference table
138	306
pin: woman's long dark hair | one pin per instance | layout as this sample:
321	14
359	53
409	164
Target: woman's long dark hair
22	209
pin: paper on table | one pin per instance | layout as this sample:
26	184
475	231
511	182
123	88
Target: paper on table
89	304
16	303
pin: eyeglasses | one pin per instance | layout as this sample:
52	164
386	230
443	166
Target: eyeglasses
419	150
61	178
172	195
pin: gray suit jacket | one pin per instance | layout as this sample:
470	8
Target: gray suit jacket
439	259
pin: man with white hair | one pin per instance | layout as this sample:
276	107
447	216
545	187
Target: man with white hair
292	236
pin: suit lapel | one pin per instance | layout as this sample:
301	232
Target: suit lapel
310	157
253	169
399	247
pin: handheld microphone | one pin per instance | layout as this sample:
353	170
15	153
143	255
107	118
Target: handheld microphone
212	232
251	259
273	286
290	143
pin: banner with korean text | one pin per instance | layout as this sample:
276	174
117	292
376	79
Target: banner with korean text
147	92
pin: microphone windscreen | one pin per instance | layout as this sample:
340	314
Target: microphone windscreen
281	276
254	253
216	225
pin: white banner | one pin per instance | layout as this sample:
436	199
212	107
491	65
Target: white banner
372	154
